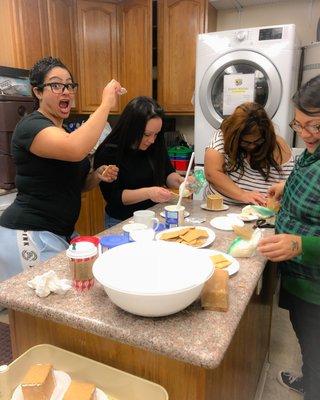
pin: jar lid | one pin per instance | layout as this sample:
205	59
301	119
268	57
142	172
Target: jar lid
92	239
111	241
81	250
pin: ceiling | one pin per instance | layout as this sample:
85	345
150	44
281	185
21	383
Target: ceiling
238	4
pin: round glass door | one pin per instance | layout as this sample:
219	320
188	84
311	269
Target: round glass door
268	87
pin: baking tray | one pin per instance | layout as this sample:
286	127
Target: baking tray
116	383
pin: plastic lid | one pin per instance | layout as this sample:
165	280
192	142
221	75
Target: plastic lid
111	241
179	150
93	239
81	250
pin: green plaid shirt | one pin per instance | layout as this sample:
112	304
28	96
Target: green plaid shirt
300	215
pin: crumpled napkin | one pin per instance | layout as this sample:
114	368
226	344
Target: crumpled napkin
49	282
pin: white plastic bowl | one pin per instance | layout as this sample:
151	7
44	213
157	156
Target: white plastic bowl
153	279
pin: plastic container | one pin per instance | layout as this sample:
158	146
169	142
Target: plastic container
110	241
112	381
180	156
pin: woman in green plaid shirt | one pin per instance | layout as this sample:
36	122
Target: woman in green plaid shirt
296	246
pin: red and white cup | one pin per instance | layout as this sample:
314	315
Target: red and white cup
92	239
81	258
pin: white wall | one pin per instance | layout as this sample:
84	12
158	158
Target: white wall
303	13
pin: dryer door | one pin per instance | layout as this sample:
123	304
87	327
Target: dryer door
268	85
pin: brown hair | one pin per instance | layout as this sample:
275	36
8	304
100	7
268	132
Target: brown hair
250	119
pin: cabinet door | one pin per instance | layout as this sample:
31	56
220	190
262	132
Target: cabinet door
179	23
98	51
61	18
30	31
91	218
136	48
62	33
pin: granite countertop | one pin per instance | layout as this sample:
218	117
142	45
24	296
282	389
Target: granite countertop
193	335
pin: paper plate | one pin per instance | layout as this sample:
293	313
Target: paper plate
225	223
204	207
244	217
209	240
232	268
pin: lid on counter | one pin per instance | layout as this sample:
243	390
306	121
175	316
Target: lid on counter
92	239
111	241
81	250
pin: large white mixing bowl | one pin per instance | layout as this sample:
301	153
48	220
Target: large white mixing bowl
153	279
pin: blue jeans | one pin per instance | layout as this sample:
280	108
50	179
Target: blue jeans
109	222
305	319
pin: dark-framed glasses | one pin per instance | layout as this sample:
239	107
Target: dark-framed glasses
257	142
311	128
58	87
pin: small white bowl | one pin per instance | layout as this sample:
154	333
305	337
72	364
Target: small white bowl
154	279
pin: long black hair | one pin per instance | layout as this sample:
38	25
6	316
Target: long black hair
39	72
307	98
128	132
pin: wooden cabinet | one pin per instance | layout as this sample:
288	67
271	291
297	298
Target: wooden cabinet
62	32
91	218
179	23
136	48
98	50
23	31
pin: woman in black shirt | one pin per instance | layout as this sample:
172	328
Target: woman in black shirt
52	169
136	145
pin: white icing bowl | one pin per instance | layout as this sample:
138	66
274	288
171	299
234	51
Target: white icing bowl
153	279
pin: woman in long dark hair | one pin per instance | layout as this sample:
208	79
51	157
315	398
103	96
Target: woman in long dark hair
296	246
136	145
246	157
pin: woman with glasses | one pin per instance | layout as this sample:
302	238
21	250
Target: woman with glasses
136	145
296	245
246	157
52	169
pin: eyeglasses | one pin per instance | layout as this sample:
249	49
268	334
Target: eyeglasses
254	142
311	128
59	88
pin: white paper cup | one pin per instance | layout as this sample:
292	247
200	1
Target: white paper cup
81	258
174	216
146	217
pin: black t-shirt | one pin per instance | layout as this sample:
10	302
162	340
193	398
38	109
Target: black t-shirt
135	172
49	191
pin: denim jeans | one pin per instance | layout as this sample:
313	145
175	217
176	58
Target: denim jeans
109	222
305	319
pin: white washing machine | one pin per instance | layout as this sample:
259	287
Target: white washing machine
269	56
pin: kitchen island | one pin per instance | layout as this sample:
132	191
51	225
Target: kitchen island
194	354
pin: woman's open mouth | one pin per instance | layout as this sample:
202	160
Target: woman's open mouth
65	106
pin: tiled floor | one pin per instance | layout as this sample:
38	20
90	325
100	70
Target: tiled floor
284	354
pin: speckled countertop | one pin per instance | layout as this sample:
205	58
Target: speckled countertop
194	335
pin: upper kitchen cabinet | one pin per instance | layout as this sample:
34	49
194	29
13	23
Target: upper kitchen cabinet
136	48
23	31
179	23
98	51
62	32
